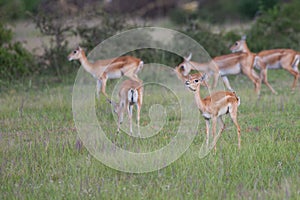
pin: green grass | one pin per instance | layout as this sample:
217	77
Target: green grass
42	158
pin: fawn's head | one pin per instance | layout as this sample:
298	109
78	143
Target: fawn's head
114	105
76	54
239	46
195	80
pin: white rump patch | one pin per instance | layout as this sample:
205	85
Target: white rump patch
132	95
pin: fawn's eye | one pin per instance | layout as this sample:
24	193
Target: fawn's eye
236	44
74	51
182	67
196	81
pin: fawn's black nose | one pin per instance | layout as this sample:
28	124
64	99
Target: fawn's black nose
187	82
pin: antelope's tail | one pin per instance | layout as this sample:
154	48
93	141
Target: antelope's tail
132	96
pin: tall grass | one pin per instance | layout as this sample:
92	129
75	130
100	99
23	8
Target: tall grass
42	158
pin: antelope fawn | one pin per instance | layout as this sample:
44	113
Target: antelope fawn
213	107
130	94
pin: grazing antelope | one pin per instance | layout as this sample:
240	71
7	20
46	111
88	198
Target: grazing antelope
112	68
287	59
230	64
190	76
184	68
130	93
214	106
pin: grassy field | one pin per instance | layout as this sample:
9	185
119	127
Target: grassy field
43	158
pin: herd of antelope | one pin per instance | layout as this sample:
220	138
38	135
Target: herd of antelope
213	107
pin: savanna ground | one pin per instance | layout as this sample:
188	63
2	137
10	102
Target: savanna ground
42	158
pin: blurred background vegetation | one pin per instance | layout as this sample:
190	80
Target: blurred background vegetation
63	24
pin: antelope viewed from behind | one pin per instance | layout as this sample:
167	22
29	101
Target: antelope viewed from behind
287	59
130	94
230	64
112	68
213	107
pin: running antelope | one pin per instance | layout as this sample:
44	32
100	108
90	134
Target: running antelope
230	64
130	94
213	107
287	59
112	68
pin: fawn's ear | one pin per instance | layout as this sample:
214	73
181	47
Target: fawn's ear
110	102
114	104
188	58
203	77
244	37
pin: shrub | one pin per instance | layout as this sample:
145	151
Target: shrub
5	35
15	61
250	8
16	9
106	27
220	11
211	42
278	27
180	16
54	60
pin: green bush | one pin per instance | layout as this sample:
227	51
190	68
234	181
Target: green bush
54	60
220	11
15	61
16	9
111	25
5	35
211	42
180	16
108	26
250	8
278	27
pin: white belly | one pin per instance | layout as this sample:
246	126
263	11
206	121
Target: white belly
206	115
223	110
274	66
114	75
235	69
